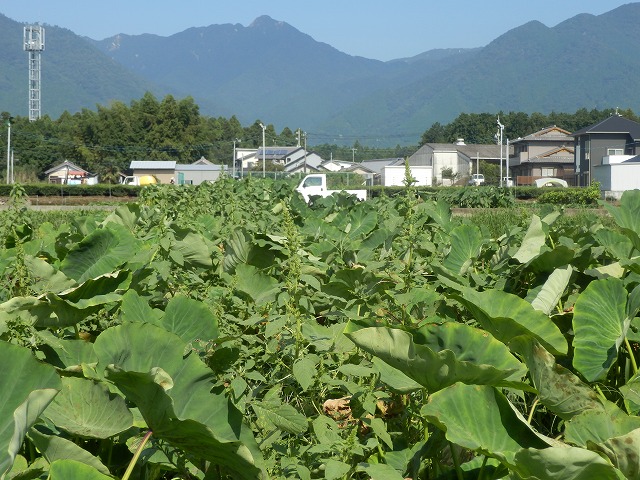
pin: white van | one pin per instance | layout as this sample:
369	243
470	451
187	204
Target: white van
476	179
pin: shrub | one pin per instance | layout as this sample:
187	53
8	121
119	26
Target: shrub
572	196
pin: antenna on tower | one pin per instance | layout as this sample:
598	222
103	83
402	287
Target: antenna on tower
34	45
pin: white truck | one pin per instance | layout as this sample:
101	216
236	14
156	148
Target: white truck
316	184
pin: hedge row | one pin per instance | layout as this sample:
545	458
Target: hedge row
53	190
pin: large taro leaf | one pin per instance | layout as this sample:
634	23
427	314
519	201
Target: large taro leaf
87	409
76	304
174	395
261	288
480	418
618	245
507	316
559	390
26	388
73	469
623	452
55	447
100	252
466	242
533	241
439	355
549	295
191	247
566	463
66	354
600	425
626	215
190	320
134	308
601	318
68	307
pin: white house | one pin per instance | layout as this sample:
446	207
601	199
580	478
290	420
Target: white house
617	173
394	174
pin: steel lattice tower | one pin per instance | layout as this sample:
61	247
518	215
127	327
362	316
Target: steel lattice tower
34	45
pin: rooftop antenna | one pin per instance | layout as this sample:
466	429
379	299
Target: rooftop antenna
34	45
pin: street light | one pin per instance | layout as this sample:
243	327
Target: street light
264	170
501	127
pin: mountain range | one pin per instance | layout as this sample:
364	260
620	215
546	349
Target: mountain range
271	71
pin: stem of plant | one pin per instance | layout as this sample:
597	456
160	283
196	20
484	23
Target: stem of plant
533	409
456	461
632	357
136	455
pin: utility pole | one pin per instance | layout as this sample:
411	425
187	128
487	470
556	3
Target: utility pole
233	167
264	163
305	152
353	155
501	127
506	154
8	145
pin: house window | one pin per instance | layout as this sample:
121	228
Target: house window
615	151
548	171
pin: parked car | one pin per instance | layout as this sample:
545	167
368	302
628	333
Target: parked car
476	179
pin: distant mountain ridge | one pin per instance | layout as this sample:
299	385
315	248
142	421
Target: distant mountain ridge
273	72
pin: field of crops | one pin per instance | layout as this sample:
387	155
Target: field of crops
231	331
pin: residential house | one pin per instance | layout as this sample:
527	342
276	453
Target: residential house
163	170
69	173
201	170
457	159
421	170
546	153
604	150
169	171
293	159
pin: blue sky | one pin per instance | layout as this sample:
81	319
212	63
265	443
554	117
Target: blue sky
379	29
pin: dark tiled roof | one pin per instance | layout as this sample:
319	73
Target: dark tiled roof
612	124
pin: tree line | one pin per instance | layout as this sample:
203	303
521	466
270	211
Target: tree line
107	139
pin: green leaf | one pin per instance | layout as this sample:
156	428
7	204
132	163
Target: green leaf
27	387
284	417
507	316
335	469
191	248
600	323
552	290
533	242
361	223
380	471
87	409
54	448
100	252
134	308
622	451
618	245
446	354
304	370
626	215
466	242
190	320
566	463
480	418
260	287
71	469
175	396
559	390
599	426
